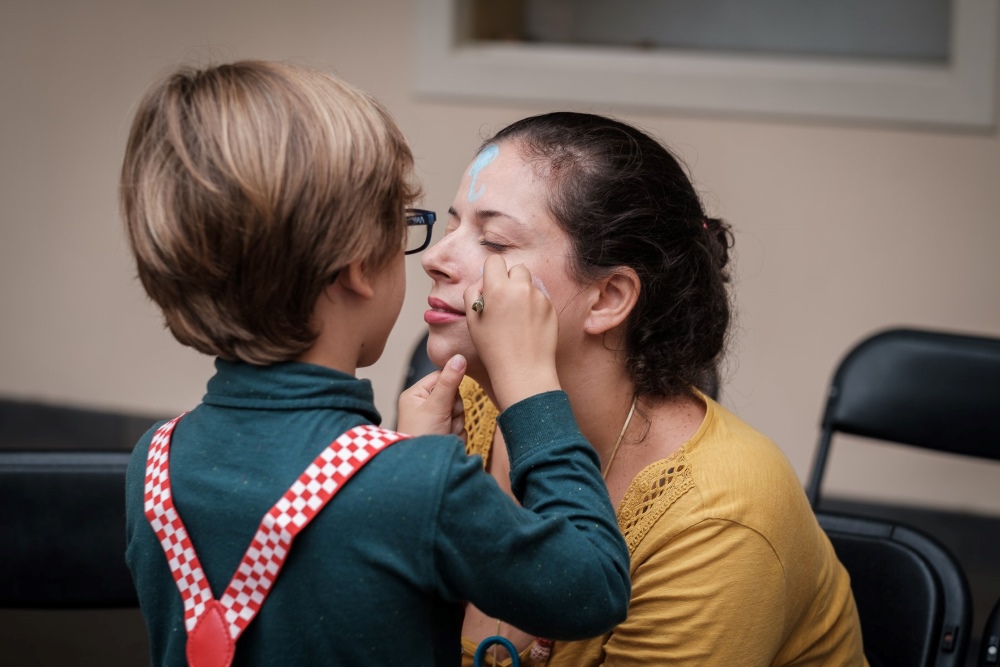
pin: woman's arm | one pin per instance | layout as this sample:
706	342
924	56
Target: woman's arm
712	595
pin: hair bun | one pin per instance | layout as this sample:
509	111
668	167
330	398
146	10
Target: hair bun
722	234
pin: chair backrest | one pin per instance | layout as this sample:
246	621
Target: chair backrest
33	426
912	596
420	363
926	389
63	530
62	505
989	649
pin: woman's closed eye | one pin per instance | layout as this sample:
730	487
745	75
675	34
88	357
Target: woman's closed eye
493	245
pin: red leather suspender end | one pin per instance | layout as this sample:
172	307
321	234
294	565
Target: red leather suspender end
213	626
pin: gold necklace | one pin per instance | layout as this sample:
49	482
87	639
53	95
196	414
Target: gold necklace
496	646
614	450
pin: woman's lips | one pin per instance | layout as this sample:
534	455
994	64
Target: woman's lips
441	313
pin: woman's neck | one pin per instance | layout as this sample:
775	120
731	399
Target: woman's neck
600	394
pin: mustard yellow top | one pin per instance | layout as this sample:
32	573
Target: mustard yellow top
728	563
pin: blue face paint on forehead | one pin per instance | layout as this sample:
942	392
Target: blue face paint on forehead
485	156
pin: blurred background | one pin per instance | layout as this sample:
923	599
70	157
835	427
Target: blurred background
844	225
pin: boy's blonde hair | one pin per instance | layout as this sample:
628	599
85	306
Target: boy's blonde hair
245	188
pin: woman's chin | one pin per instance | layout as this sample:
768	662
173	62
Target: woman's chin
441	349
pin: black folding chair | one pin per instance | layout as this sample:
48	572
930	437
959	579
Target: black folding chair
927	389
933	390
911	593
420	363
62	506
63	531
989	649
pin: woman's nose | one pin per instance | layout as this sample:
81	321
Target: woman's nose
435	259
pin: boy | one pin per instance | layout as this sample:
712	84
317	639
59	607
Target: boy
265	206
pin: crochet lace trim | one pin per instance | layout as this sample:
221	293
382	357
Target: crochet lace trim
480	419
651	492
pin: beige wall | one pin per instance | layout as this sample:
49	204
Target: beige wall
841	230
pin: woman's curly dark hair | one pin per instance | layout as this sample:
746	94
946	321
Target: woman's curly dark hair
624	200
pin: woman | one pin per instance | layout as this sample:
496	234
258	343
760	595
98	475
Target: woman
728	564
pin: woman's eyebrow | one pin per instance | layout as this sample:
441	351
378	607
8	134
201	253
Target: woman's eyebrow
484	214
487	213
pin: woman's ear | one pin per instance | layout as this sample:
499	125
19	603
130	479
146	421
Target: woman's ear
616	296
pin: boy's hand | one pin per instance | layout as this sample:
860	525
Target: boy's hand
515	333
432	405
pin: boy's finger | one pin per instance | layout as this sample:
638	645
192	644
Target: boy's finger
458	426
424	385
442	398
453	372
519	272
472	292
494	271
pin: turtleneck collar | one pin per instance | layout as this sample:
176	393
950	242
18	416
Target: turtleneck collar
288	386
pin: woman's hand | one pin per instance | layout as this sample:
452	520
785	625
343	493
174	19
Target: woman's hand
432	405
515	334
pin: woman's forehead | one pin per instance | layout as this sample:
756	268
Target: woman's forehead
502	172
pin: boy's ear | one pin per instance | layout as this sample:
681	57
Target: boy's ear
613	300
355	278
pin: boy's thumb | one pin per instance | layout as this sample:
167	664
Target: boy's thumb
446	387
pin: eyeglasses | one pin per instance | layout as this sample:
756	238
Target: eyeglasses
419	224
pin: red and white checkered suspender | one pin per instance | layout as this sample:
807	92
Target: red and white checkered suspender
213	626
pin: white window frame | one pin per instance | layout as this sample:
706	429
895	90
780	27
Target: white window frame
961	93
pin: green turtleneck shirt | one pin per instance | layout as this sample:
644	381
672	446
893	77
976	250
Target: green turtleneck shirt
381	575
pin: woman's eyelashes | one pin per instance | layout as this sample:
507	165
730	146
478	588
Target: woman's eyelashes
493	246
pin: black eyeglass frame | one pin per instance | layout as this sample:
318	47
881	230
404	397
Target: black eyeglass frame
420	216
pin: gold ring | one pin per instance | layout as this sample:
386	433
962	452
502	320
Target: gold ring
478	304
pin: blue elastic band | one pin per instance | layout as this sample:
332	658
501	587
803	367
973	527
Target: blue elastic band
515	659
